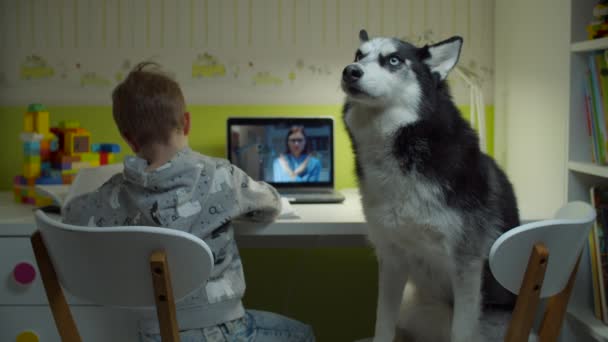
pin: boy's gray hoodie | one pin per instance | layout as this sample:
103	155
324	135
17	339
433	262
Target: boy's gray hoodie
192	193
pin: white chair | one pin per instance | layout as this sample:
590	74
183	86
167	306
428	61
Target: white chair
118	266
540	260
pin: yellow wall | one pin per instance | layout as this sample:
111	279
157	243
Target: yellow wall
208	132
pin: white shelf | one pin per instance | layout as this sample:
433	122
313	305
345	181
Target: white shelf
585	324
590	45
589	168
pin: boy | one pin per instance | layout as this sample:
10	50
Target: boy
169	185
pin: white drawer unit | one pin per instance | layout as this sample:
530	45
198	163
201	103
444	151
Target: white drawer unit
95	324
24	312
22	285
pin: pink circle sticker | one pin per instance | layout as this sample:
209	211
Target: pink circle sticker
24	273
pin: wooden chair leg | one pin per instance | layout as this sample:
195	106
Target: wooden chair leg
59	307
529	296
165	303
551	324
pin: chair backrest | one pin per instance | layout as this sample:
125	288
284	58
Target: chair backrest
564	237
111	265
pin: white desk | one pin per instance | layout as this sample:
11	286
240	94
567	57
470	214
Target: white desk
319	225
24	307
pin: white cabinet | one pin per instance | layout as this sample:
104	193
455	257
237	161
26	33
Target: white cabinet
95	324
24	310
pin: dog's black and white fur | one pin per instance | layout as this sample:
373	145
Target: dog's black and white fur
434	202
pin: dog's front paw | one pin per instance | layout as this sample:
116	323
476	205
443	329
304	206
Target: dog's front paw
400	336
384	339
473	336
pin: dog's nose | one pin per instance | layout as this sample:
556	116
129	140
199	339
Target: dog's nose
352	73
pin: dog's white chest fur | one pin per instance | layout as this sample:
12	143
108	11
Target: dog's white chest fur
406	209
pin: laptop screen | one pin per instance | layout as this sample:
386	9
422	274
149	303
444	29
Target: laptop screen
285	152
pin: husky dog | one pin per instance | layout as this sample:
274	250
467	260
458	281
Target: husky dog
434	202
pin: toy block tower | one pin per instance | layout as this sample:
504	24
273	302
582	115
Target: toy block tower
38	143
74	150
53	155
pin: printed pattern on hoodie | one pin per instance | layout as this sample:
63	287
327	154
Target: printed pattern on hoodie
192	193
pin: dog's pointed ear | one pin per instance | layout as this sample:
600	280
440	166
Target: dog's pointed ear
363	37
443	56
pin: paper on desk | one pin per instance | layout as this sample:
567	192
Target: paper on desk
86	180
56	192
287	210
89	179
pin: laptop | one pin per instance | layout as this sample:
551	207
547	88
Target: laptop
293	154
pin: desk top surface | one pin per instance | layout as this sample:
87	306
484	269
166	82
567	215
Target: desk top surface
315	219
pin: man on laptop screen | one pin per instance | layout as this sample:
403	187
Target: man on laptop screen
293	154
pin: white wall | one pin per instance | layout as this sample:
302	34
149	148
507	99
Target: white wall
532	99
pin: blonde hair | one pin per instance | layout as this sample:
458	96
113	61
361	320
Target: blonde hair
148	105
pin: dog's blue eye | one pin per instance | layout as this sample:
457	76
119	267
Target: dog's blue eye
394	61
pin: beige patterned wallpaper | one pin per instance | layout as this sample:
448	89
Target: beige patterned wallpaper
222	52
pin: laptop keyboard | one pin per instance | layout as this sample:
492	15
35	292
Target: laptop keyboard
318	197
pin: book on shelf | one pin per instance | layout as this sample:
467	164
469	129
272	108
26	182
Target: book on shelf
596	105
598	251
591	121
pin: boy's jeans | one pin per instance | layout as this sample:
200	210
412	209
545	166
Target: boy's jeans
255	326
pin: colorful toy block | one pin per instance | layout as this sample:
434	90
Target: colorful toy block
31	192
16	194
54	155
19	180
104	158
49	180
62	166
36	120
113	148
59	133
69	124
54	145
41	122
32	159
89	157
45	154
76	142
54	173
31	147
30	136
28	122
69	172
62	158
36	107
68	179
31	170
